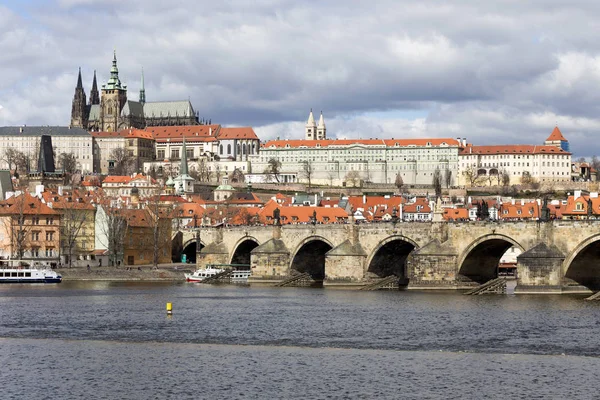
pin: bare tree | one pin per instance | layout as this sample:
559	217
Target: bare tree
273	170
203	174
353	177
10	156
399	182
161	226
436	182
307	172
123	162
68	163
113	228
74	215
472	175
448	177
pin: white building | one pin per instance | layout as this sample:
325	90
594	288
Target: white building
347	162
485	165
64	140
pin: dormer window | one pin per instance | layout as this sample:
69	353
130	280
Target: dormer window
579	206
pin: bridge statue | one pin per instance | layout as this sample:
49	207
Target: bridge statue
276	217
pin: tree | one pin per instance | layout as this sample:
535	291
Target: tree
505	178
273	170
68	163
448	177
307	172
73	218
399	182
10	156
123	162
112	226
353	177
472	176
160	225
203	174
437	182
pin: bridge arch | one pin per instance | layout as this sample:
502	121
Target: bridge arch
582	264
242	250
190	248
390	255
479	262
309	256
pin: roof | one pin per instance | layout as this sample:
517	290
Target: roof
456	213
138	218
169	108
26	204
299	215
436	142
556	135
237	133
42	130
133	108
410	208
519	211
130	133
94	114
162	133
513	149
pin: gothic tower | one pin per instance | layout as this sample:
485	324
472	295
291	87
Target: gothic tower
79	109
321	130
94	95
114	96
311	127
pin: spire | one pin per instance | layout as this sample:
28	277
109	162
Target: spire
183	171
79	84
311	119
321	121
142	90
114	82
94	96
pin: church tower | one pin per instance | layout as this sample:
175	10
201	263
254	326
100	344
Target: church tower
311	127
321	130
79	108
114	96
94	95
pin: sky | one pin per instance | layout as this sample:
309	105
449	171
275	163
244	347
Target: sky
494	72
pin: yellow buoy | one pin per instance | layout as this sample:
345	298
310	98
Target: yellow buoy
169	308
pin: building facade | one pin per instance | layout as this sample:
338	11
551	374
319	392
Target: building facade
65	139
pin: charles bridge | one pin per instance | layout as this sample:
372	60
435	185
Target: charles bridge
558	256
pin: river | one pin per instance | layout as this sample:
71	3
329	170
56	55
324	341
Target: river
100	340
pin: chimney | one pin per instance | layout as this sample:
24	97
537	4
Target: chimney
512	201
522	202
464	142
60	190
209	131
364	199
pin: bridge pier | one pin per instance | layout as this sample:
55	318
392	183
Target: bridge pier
539	270
345	265
213	253
434	266
270	262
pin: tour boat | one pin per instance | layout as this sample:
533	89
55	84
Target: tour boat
203	273
28	275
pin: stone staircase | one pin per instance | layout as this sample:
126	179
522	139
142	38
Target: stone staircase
594	297
298	279
495	286
224	276
389	282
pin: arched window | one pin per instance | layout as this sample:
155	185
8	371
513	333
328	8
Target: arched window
221	150
244	149
253	147
228	149
239	149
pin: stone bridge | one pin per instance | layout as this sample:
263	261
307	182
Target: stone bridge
558	256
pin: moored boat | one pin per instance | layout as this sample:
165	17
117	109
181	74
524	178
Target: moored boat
201	274
28	275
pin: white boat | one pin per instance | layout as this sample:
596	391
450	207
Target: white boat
28	275
201	274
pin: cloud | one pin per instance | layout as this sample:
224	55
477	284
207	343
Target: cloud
493	72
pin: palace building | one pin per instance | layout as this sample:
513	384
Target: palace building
110	110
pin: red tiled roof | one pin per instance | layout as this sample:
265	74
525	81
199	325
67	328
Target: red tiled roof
512	149
245	132
364	142
456	213
556	135
26	204
187	131
519	211
409	208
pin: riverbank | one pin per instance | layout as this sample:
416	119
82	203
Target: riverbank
169	272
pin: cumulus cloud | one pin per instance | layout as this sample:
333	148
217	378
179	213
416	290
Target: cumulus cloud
489	71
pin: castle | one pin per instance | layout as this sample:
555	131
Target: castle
110	110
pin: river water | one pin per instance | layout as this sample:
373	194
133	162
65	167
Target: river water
96	340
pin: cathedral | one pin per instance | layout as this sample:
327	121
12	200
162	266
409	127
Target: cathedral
110	110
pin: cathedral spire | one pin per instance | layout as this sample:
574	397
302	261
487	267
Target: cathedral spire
94	95
79	83
142	90
321	130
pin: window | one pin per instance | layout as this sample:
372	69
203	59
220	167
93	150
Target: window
221	149
49	235
189	153
160	154
35	252
49	221
228	149
174	153
35	236
35	220
49	252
